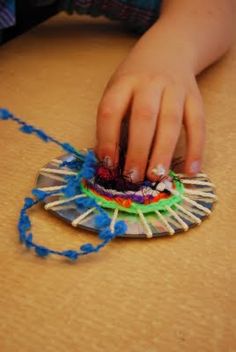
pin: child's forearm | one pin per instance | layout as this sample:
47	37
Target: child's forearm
205	26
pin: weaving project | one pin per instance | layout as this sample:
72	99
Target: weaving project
83	191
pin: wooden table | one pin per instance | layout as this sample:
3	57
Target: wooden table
137	295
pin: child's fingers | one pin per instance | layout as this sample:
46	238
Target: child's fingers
111	111
168	130
195	128
145	108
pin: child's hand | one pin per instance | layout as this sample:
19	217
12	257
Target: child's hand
157	84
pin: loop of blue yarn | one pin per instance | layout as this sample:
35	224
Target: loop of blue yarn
24	226
87	165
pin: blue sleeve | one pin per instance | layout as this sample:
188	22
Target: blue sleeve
137	14
7	13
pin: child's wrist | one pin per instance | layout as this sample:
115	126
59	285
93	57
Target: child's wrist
178	44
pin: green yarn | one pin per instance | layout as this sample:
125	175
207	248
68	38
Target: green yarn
145	208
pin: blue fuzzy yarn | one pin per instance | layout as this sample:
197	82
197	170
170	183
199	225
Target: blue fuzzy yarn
89	203
28	241
42	135
4	114
87	247
70	191
25	223
22	236
120	228
79	202
74	164
72	187
69	148
27	129
102	220
105	234
88	173
39	194
91	158
71	254
29	202
85	203
87	165
42	251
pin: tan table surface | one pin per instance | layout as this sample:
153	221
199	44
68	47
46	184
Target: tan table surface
137	295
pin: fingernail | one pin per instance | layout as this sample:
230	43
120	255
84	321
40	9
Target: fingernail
134	175
195	167
168	185
107	162
161	187
159	170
